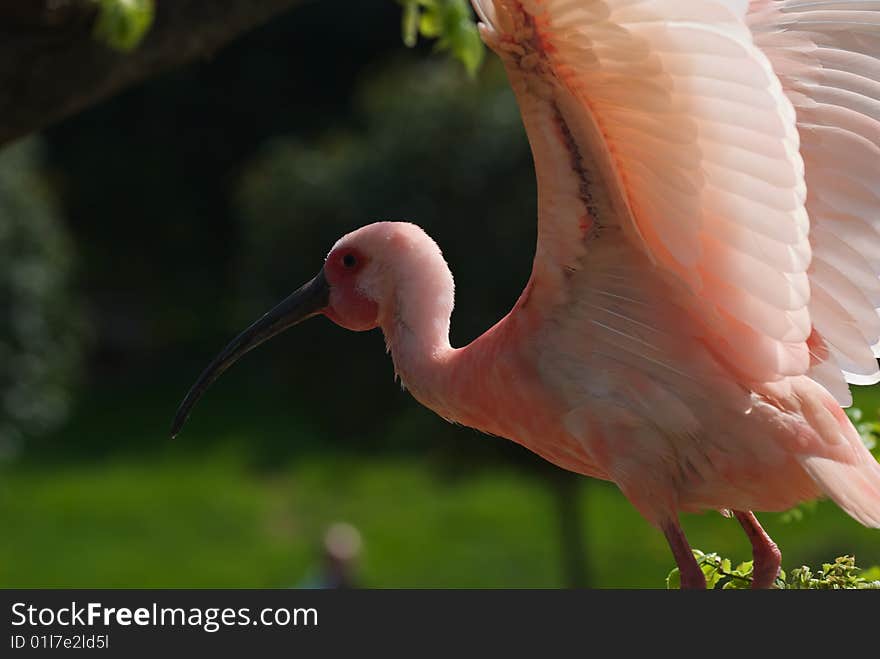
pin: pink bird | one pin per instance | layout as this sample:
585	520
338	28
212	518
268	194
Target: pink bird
705	283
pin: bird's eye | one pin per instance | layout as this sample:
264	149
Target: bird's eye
349	260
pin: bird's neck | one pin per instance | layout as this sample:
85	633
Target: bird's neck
447	380
450	381
419	346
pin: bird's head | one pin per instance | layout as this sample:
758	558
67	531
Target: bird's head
387	274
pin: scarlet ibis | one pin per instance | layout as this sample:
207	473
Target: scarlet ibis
705	284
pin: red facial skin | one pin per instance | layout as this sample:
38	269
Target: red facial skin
348	307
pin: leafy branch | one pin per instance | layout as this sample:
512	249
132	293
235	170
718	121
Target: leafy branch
123	24
842	574
450	23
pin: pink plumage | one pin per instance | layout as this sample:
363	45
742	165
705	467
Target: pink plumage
705	282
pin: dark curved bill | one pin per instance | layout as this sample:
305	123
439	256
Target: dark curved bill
307	301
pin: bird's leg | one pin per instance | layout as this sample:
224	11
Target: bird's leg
692	577
765	553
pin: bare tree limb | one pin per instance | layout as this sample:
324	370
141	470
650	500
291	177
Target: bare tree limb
51	66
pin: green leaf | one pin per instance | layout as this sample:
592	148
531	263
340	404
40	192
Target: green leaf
843	573
737	583
673	580
410	23
469	49
800	578
122	24
431	25
450	23
712	579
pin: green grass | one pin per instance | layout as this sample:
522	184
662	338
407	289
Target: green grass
213	522
111	502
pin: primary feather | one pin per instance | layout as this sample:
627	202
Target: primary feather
826	55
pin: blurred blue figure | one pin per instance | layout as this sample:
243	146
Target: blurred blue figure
340	550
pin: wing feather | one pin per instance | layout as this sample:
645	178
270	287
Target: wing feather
826	55
672	124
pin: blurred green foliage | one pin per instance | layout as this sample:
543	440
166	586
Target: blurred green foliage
842	574
210	510
123	24
41	330
450	23
868	427
203	512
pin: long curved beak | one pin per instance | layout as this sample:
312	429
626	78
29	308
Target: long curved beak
307	301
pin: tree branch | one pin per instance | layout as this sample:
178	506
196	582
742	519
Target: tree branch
51	66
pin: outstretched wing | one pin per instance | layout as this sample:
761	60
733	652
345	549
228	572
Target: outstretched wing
663	118
826	54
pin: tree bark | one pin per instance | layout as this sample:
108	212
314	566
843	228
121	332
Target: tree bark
51	66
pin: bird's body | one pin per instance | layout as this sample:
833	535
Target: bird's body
706	275
675	431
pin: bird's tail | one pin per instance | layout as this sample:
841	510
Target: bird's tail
851	478
853	487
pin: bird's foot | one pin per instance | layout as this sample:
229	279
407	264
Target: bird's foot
768	561
693	580
765	553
